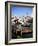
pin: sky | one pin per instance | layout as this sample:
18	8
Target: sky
21	11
